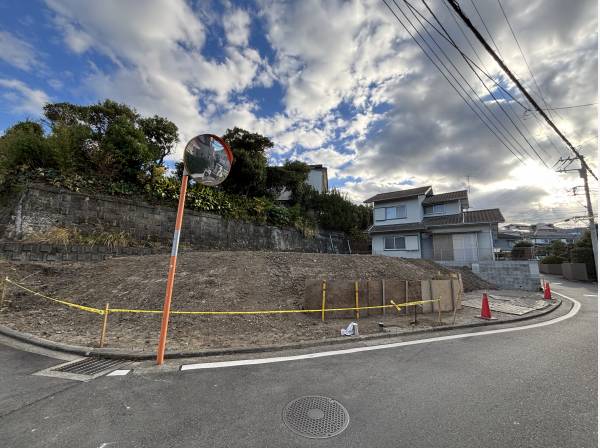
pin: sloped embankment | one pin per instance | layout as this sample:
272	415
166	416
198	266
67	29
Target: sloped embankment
219	280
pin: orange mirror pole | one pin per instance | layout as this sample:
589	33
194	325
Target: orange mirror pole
160	356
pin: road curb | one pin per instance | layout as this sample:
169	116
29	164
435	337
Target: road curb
142	356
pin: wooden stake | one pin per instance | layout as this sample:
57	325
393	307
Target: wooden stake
104	324
4	287
458	302
356	299
323	299
406	297
383	295
440	310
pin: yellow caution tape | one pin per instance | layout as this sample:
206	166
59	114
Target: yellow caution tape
212	313
63	302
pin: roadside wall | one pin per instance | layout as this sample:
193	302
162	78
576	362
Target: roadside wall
574	271
23	251
555	269
509	274
40	207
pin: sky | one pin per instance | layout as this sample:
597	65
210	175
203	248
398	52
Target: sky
338	83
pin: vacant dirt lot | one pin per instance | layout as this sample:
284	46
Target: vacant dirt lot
205	281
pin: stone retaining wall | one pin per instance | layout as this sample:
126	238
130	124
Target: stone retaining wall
40	252
40	207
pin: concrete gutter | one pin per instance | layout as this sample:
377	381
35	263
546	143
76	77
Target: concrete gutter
146	355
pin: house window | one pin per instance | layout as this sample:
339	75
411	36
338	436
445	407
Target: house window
437	209
395	243
395	212
385	213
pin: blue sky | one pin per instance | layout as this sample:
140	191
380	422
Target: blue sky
338	83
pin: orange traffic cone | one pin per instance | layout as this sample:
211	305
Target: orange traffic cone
547	292
485	308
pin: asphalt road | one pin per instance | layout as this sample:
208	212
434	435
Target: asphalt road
531	388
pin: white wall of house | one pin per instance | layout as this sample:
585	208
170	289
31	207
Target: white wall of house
316	180
414	211
412	250
484	243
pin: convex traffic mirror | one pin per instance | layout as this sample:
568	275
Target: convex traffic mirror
207	159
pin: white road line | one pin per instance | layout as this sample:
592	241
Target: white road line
118	372
246	362
591	295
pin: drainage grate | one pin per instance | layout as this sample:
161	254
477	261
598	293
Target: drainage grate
316	417
89	366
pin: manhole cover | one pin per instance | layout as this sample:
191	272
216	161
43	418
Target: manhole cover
316	417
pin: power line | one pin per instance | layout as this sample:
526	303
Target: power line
521	120
468	22
461	75
485	26
450	82
548	108
564	107
452	14
453	43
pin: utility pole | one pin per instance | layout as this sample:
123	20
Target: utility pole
583	171
590	213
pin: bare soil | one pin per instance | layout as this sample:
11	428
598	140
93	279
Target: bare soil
217	280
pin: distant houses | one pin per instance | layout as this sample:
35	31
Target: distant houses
540	234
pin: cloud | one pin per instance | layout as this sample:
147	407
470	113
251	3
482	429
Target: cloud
237	27
358	95
22	98
17	52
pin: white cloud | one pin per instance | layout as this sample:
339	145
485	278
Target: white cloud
17	52
160	68
237	27
22	98
401	121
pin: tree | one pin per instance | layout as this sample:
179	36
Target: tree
291	176
583	252
161	136
248	175
559	249
109	139
24	147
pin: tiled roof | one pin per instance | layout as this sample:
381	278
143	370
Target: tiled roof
509	236
473	217
397	228
445	197
398	194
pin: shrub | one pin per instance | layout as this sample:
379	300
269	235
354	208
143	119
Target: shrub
552	259
522	250
583	252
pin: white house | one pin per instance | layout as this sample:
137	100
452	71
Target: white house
416	223
317	178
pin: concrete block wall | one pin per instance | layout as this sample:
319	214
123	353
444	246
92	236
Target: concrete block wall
574	271
509	274
555	269
40	207
40	252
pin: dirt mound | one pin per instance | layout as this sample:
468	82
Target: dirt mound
219	280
